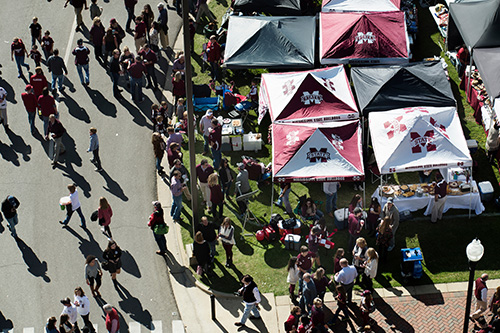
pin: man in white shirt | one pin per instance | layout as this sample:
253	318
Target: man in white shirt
205	125
71	311
74	205
481	294
251	298
3	107
346	277
330	189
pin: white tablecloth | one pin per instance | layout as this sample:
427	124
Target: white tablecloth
414	203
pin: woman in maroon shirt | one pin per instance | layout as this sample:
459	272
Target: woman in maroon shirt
173	153
216	196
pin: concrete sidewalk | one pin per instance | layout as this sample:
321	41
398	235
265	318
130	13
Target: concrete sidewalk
427	308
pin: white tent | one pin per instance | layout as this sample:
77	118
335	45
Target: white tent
359	6
418	138
310	96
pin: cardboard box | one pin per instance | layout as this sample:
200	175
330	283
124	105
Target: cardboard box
252	142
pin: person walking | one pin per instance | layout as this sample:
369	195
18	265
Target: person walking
159	150
104	214
207	229
203	170
216	196
309	293
36	31
139	33
150	59
95	10
112	254
82	304
346	277
213	55
3	108
70	310
226	235
330	189
391	211
440	192
136	71
47	44
481	294
355	224
112	319
215	142
58	69
129	7
57	131
176	187
202	9
163	21
9	210
93	274
38	81
115	70
46	107
94	148
78	6
96	35
251	299
30	104
205	125
74	206
81	53
36	55
159	228
18	51
283	198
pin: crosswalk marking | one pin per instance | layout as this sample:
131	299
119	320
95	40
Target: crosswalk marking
133	327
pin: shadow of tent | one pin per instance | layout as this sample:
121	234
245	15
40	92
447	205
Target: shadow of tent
392	318
130	265
35	266
276	256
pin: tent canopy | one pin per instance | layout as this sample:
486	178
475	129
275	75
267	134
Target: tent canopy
270	7
382	88
419	138
477	22
270	42
487	61
317	152
360	5
316	95
363	38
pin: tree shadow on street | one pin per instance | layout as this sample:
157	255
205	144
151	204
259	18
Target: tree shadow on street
113	187
35	266
131	305
19	145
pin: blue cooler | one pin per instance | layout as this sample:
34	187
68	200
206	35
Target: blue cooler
486	191
411	263
341	218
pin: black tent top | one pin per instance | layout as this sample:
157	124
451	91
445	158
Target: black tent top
270	42
477	22
382	88
488	63
270	7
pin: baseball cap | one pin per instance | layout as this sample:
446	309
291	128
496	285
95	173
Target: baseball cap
113	20
240	165
66	301
390	200
29	87
209	112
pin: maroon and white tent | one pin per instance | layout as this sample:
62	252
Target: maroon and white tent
317	152
363	38
310	96
360	5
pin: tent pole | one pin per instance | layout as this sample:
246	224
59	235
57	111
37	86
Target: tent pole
470	73
272	195
470	194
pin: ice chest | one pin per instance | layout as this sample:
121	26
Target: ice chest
226	144
341	218
236	143
486	191
252	141
292	242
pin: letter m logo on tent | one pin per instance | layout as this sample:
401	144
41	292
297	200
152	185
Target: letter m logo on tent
418	142
369	38
318	156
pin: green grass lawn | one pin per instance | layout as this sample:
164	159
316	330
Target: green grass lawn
443	245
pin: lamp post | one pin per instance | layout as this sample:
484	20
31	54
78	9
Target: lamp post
475	251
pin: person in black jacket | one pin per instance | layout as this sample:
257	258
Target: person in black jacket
202	252
112	255
251	298
9	210
225	177
207	229
115	69
57	130
58	69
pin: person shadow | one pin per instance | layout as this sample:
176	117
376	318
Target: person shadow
102	104
131	305
76	178
86	247
129	264
74	108
9	154
135	112
11	94
18	144
35	266
5	324
113	187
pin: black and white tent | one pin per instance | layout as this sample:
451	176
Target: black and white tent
382	88
270	7
270	42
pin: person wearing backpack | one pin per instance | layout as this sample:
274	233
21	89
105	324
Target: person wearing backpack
9	210
159	228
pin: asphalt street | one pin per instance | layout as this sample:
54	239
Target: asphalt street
47	263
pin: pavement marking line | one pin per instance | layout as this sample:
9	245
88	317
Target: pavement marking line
177	326
134	327
70	42
29	330
156	325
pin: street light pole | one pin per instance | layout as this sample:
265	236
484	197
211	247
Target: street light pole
189	103
474	251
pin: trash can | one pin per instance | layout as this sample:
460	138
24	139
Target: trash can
411	263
